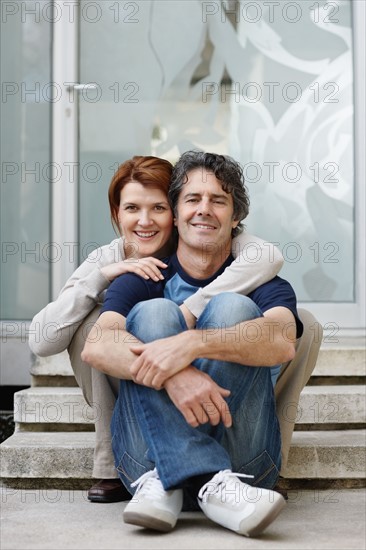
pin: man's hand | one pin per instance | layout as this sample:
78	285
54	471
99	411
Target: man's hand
199	398
159	360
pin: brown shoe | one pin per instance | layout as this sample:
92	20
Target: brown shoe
108	490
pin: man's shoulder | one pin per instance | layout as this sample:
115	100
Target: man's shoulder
275	283
277	291
129	289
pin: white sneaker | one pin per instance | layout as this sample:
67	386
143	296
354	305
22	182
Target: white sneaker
238	506
151	506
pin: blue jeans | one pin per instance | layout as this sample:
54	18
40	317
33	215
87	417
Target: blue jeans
149	431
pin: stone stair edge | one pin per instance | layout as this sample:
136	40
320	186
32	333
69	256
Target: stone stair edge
81	438
344	404
317	455
333	388
331	360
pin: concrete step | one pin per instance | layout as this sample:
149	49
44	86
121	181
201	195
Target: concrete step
335	359
53	405
55	370
341	360
333	454
54	365
318	405
58	455
330	405
47	455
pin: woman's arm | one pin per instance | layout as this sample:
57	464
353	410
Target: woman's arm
52	329
256	262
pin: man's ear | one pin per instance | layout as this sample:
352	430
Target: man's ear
175	222
235	223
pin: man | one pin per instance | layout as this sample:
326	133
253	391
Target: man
197	405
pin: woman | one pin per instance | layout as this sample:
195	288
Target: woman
141	213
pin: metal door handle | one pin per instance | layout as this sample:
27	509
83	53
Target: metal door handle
81	87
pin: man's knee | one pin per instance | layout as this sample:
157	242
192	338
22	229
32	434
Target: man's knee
228	308
153	319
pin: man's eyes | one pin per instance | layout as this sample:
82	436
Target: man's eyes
215	201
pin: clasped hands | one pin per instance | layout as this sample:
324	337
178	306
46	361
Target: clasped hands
167	363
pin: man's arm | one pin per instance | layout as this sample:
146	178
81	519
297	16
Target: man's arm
193	392
265	341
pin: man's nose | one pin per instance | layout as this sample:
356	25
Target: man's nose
204	207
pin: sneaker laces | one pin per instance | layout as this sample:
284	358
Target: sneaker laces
217	485
150	485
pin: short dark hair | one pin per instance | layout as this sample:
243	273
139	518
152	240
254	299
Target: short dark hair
226	170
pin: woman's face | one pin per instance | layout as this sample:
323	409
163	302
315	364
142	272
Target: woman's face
145	220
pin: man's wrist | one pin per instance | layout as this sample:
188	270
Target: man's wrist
197	342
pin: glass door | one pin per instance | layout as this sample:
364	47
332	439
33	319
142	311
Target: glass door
273	85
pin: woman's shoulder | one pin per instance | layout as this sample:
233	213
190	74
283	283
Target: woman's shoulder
108	253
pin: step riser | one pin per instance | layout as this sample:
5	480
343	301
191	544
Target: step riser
324	463
54	411
343	405
304	463
341	362
334	408
332	361
47	463
324	455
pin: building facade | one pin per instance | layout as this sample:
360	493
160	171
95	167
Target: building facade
88	84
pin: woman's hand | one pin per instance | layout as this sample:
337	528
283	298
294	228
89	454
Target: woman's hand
148	268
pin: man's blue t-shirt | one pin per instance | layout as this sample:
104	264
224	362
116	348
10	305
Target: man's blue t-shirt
129	289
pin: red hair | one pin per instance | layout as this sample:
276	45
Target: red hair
148	171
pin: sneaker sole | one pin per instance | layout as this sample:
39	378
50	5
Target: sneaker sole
264	522
149	522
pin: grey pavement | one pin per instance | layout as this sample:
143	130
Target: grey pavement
65	519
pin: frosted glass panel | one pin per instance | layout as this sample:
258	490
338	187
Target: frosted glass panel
269	83
25	159
292	127
147	63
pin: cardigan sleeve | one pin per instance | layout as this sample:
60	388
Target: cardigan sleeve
256	262
52	329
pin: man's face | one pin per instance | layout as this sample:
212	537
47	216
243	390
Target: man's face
205	213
